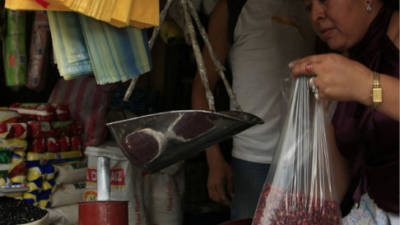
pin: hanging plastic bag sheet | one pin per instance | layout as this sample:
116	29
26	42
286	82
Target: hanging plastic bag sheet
69	46
38	54
116	54
35	5
15	49
299	188
87	103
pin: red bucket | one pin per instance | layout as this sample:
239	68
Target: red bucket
238	222
103	213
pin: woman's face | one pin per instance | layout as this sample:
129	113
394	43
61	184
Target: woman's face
339	23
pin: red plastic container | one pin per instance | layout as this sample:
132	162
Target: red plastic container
103	213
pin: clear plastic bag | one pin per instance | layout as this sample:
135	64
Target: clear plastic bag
299	188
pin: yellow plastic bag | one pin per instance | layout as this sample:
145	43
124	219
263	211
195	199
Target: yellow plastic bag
35	5
119	13
145	13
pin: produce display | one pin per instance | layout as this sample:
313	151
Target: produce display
294	208
13	211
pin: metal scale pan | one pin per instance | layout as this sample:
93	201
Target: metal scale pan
155	141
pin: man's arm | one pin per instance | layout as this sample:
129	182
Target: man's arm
220	175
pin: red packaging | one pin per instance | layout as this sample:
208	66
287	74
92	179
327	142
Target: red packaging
88	104
39	145
17	170
62	111
76	143
62	127
52	144
13	130
38	51
65	143
19	130
35	111
75	129
40	129
3	130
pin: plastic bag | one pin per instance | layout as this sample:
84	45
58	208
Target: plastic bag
299	188
15	49
88	104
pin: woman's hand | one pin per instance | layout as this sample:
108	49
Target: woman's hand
337	77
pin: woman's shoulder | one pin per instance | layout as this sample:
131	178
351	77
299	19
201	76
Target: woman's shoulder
393	30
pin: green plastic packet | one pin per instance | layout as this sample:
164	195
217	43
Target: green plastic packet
5	157
15	54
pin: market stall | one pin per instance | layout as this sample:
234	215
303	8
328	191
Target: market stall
59	155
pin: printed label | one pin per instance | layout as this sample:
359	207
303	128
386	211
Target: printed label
117	176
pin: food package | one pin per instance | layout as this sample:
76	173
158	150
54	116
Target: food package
39	50
71	174
13	144
66	128
17	173
35	111
300	187
88	104
13	130
62	111
15	49
68	194
8	116
38	145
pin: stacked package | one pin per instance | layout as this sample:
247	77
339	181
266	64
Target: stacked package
53	139
69	191
152	198
15	57
38	52
13	145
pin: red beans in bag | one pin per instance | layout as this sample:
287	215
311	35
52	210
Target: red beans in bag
277	206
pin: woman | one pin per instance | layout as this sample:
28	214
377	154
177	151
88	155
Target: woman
363	77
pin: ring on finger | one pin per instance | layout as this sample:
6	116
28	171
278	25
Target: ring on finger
309	68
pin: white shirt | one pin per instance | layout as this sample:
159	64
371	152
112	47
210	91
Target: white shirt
262	50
